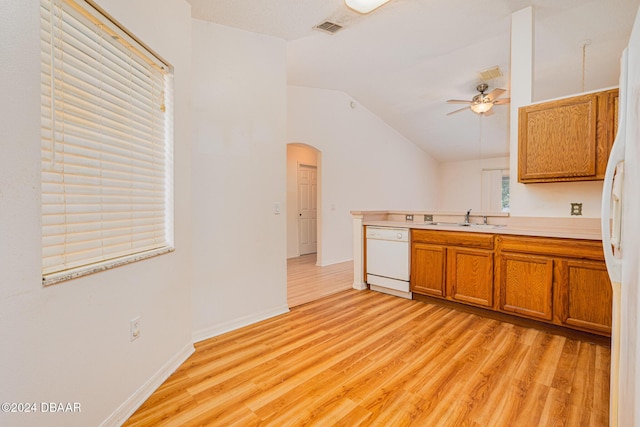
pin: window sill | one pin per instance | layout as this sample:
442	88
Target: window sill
62	276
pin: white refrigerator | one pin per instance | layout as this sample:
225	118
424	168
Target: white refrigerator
620	239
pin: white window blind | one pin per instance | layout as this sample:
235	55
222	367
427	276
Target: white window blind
106	134
491	192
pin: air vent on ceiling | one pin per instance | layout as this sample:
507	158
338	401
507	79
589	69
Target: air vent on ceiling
490	73
328	27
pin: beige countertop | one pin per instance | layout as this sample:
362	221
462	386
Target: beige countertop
570	228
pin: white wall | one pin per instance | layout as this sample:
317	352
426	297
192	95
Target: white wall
70	342
547	199
461	183
238	174
554	199
296	155
365	164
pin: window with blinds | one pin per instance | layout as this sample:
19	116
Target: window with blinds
106	144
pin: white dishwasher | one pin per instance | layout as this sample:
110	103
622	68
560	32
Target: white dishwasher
388	260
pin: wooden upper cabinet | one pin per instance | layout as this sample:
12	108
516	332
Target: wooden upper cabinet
607	126
567	139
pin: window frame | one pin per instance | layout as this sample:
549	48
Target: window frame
109	31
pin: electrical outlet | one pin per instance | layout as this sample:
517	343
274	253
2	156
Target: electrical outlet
134	329
576	209
428	218
408	217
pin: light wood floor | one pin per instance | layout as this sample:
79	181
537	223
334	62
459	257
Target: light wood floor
365	358
307	282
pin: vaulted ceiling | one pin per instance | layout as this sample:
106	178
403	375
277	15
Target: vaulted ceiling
405	59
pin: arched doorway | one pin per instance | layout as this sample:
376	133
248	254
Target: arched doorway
304	217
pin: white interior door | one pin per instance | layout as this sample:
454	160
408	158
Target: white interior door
307	209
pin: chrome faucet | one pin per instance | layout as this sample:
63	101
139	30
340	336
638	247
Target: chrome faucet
466	217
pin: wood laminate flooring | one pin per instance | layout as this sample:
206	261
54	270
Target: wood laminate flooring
307	282
365	358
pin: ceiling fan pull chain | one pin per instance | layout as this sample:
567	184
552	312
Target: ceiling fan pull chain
584	44
584	55
480	139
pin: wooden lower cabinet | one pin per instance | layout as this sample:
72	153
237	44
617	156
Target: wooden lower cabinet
470	275
457	273
559	281
428	269
526	285
584	295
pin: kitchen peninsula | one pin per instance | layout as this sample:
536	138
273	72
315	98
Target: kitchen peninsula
550	270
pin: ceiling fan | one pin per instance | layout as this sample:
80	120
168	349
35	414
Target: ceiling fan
482	103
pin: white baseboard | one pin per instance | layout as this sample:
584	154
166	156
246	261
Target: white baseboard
332	262
120	415
220	329
136	400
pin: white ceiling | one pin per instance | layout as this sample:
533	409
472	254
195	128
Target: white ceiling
404	60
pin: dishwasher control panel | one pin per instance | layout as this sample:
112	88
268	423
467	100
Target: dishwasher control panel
387	233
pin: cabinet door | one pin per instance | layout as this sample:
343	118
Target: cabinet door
470	275
526	285
607	127
557	140
427	269
584	295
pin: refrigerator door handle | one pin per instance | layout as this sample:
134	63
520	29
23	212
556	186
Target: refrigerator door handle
613	259
616	208
614	264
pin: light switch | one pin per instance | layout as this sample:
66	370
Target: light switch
276	208
134	328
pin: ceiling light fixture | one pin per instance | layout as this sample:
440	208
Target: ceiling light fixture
364	6
481	107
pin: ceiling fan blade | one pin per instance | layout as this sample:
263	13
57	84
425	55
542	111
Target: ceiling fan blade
458	101
496	93
489	112
502	101
457	111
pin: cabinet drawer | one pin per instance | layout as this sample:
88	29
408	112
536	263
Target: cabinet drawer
454	238
566	248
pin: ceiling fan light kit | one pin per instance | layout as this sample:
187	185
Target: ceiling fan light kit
481	107
481	103
364	6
